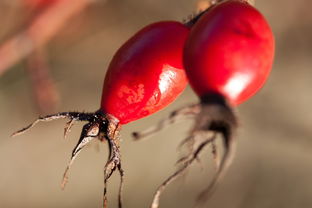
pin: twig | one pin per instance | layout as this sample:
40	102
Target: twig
40	31
44	89
202	5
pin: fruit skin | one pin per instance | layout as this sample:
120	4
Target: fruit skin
229	51
146	73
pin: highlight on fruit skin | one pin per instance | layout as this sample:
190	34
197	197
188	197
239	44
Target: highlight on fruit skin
228	57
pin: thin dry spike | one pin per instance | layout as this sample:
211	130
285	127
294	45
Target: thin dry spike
89	132
229	153
113	162
186	158
121	173
187	140
176	116
108	171
191	143
68	127
65	174
178	173
183	159
215	155
70	115
45	118
75	153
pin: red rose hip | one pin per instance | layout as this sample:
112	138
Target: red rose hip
145	75
229	51
227	58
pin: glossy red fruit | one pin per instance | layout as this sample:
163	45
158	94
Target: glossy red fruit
229	51
146	73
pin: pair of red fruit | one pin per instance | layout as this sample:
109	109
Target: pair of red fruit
225	53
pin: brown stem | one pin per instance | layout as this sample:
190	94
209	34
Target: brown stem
204	6
40	31
44	89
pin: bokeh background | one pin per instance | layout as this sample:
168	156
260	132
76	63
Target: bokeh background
273	164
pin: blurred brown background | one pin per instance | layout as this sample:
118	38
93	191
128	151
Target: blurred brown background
273	165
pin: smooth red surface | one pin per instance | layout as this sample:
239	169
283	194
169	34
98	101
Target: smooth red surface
229	51
146	73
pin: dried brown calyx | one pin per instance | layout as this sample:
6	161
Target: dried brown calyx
213	116
100	126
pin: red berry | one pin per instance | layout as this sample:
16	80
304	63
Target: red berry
229	51
146	73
